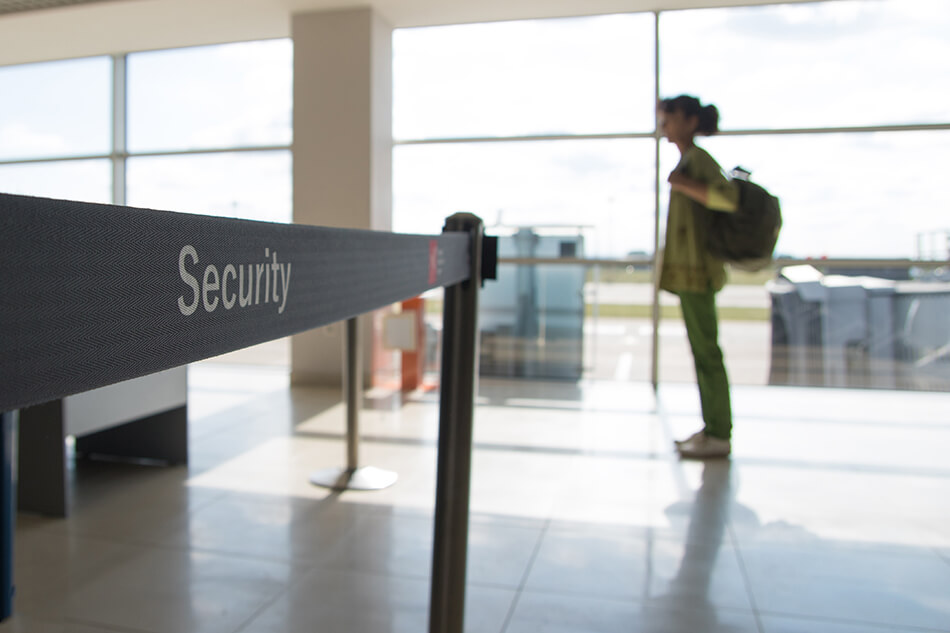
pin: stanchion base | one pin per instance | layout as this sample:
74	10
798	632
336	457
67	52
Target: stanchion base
364	478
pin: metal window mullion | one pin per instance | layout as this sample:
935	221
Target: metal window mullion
657	262
212	150
528	138
53	159
119	154
525	138
854	129
934	127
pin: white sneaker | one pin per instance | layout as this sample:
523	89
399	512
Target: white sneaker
691	438
702	446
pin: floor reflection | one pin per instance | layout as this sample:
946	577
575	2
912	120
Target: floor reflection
687	604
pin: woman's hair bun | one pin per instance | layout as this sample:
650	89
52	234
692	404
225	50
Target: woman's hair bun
708	120
708	115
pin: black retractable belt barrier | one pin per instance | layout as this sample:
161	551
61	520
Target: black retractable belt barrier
93	294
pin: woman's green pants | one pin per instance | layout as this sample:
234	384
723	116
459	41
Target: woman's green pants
702	328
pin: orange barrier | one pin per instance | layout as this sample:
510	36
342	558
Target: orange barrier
414	359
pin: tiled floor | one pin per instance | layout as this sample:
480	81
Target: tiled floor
833	515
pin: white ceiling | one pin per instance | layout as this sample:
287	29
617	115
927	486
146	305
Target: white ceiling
32	31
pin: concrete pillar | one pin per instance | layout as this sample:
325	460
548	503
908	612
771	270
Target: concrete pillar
342	151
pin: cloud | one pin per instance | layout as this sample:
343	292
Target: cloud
19	140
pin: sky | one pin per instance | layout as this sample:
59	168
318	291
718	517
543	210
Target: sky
804	66
838	64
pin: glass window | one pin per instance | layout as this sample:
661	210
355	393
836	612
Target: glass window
847	195
232	95
567	76
56	109
83	180
247	185
828	64
605	187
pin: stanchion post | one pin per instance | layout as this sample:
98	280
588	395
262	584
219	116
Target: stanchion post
353	476
353	385
7	510
456	412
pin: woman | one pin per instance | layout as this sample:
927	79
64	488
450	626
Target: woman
689	271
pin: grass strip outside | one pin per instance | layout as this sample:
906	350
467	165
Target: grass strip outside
606	275
726	313
627	311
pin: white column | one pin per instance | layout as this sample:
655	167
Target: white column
342	151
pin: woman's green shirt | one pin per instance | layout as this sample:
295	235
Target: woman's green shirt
686	264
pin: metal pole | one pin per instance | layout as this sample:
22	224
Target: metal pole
456	412
353	476
7	510
353	385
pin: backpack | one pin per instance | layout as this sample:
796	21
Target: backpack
746	237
